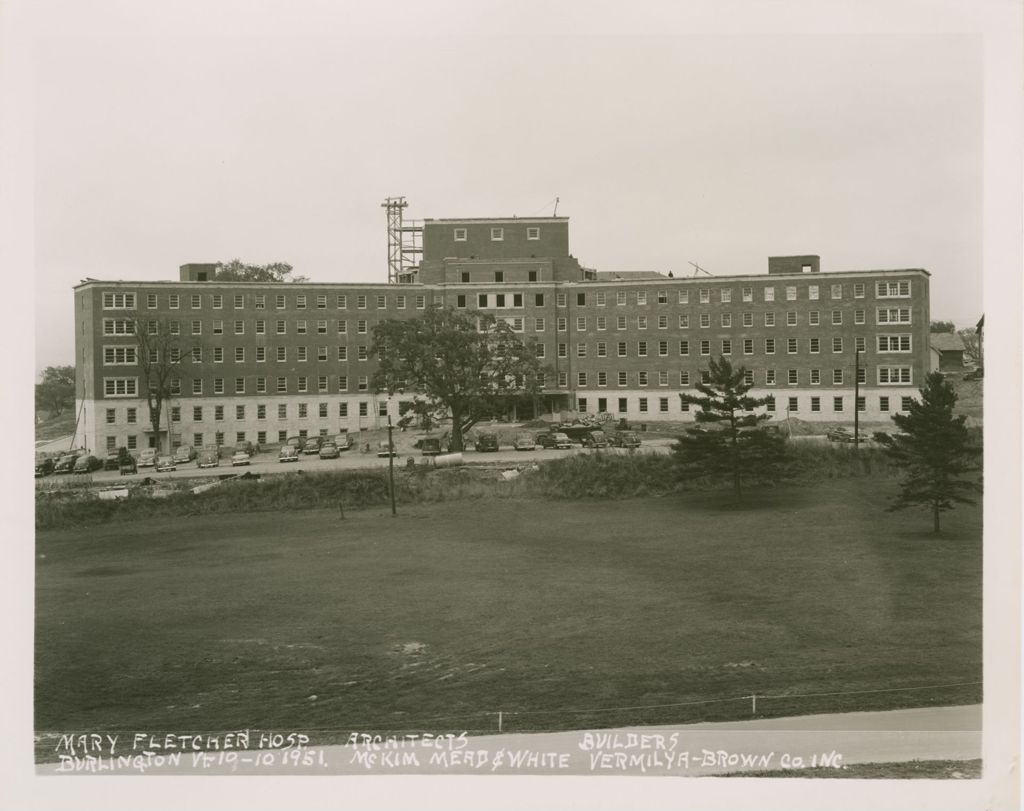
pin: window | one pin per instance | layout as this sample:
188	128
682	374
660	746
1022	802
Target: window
837	344
705	347
748	319
620	298
748	346
769	319
837	377
769	377
151	300
622	349
132	442
300	327
791	346
239	354
118	326
623	378
662	348
684	378
361	353
532	233
726	319
563	350
602	378
120	301
837	403
382	302
581	350
131	416
892	290
282	385
837	291
361	302
321	327
620	322
239	385
641	322
793	404
622	405
561	324
342	382
120	355
303	411
815	346
815	404
581	323
684	348
538	350
894	375
726	346
239	412
643	405
196	301
111	416
769	294
282	328
120	386
641	349
497	234
793	377
361	327
197	385
837	317
684	296
563	379
814	318
218	413
421	302
342	327
218	301
459	234
705	376
173	301
894	343
218	385
905	403
321	353
812	294
302	384
581	378
641	297
769	346
261	385
790	292
322	409
218	327
858	290
883	404
538	324
815	377
704	296
581	299
791	318
282	353
705	320
197	327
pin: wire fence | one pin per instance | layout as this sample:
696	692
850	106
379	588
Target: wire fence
506	721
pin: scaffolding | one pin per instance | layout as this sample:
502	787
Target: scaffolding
405	242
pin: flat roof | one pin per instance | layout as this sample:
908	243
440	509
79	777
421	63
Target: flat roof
495	219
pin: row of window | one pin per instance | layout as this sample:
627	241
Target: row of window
793	404
497	234
884	316
129	387
885	344
132	414
301	301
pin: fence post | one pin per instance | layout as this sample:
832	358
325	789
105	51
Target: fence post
499	720
753	704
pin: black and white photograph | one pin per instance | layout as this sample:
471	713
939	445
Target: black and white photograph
499	404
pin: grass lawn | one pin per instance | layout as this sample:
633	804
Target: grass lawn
428	621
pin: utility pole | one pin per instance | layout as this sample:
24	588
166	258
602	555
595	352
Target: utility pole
391	467
856	399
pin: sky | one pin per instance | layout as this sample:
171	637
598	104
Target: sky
272	132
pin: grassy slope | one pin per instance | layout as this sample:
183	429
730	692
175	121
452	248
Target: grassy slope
228	621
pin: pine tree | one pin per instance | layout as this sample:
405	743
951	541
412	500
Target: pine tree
729	441
935	452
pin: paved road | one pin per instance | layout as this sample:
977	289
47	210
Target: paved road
933	733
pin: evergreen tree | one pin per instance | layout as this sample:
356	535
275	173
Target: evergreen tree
935	452
729	441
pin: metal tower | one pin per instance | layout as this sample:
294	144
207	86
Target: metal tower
405	242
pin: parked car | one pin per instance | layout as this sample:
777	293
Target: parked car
239	458
344	441
839	434
977	374
595	439
112	460
554	439
66	463
288	453
44	467
147	458
165	464
184	454
486	443
208	457
312	446
624	439
385	449
431	446
524	442
328	450
87	463
248	447
297	442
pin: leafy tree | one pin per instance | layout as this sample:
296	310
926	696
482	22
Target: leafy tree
729	441
941	326
159	346
935	452
467	366
56	390
972	344
237	271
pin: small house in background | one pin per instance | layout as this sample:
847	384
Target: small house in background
947	352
